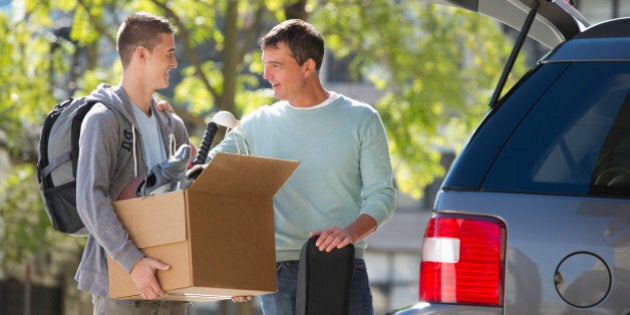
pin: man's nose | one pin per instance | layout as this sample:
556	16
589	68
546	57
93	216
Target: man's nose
265	73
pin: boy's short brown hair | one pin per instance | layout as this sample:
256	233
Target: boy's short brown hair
140	29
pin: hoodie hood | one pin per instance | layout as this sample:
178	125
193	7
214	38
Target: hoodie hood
115	98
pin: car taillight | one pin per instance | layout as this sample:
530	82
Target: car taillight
463	260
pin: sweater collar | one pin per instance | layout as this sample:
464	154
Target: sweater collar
331	99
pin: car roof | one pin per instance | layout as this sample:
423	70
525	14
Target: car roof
606	41
556	21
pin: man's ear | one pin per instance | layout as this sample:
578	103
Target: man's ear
309	67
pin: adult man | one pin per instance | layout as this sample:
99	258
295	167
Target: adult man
122	137
343	189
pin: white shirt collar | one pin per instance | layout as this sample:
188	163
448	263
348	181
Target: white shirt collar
333	97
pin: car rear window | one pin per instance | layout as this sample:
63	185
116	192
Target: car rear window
575	140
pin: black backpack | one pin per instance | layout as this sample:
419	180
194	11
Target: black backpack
324	280
57	164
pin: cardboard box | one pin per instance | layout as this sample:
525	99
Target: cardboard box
217	235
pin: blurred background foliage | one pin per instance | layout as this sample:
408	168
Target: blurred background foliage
436	66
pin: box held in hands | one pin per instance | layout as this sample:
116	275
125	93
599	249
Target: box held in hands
217	235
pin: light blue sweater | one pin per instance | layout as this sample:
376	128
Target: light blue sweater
344	170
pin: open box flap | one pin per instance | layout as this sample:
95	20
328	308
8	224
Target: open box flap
234	174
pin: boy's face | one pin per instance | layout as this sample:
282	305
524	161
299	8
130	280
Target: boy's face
161	60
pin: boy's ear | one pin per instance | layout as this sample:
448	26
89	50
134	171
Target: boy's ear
140	53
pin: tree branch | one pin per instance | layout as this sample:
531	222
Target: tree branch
190	52
96	23
251	33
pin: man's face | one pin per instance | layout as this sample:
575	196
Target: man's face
286	77
161	60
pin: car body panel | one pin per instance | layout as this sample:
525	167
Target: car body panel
448	309
607	49
599	227
540	238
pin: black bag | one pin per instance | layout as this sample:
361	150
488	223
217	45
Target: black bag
57	164
324	280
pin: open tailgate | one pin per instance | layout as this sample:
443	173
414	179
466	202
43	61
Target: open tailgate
556	21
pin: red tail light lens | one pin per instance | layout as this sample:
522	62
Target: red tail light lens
463	260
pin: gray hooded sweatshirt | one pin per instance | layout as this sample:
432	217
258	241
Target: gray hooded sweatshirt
111	157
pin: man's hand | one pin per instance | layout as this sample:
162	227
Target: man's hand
332	238
165	106
243	298
143	276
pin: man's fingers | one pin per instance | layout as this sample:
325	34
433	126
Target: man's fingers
242	298
344	243
163	105
325	237
331	238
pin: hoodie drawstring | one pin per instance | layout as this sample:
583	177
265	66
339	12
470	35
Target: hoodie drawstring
172	145
135	154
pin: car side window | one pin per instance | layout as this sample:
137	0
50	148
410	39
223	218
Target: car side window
612	169
567	140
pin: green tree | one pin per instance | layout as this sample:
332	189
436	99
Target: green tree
27	62
437	65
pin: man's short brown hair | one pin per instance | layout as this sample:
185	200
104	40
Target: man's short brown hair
303	39
140	29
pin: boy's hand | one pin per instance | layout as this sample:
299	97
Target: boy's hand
143	276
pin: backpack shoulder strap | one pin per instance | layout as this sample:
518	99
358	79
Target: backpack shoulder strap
76	132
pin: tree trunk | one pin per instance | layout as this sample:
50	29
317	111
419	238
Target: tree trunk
230	66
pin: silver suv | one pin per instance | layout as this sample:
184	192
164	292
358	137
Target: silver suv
534	215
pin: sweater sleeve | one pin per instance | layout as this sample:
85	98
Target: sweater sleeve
97	159
379	195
